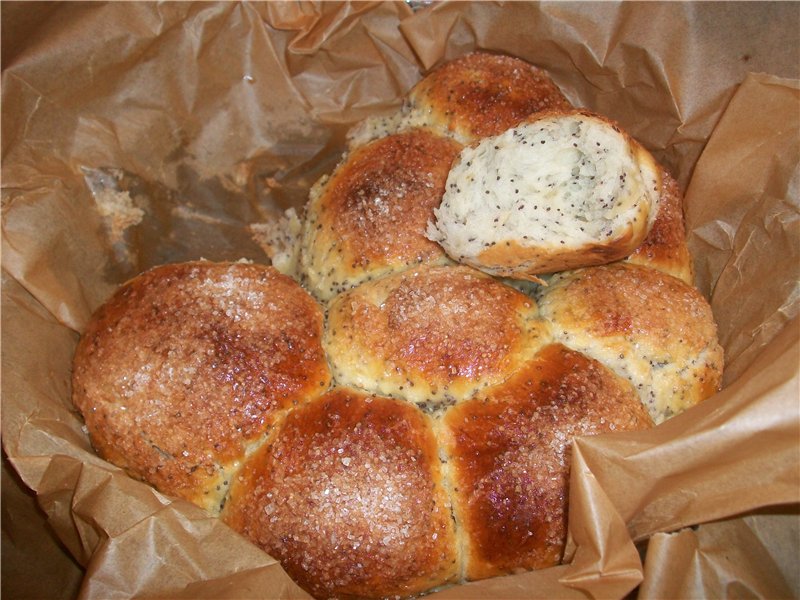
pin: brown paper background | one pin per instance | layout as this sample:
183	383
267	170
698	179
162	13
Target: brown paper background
735	549
218	115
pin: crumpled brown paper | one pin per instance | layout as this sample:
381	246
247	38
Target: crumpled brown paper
753	556
200	119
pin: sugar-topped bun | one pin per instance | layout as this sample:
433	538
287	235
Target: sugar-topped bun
348	494
649	327
665	247
187	366
431	335
508	451
369	217
561	190
468	98
483	94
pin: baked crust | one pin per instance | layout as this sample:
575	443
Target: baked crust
348	495
509	454
368	219
512	259
665	247
432	335
188	365
649	327
482	94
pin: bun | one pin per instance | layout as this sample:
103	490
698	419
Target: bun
559	191
187	367
368	218
508	450
349	495
649	327
469	98
481	94
432	335
405	422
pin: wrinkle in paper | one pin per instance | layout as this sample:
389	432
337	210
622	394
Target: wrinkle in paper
720	559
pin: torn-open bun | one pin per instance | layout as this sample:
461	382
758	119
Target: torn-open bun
561	190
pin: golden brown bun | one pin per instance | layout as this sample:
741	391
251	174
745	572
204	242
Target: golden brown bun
482	94
432	335
369	217
348	495
509	455
665	247
188	365
649	327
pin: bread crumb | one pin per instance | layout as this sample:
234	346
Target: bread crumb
118	212
279	239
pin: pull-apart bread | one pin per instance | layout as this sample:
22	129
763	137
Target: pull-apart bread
388	421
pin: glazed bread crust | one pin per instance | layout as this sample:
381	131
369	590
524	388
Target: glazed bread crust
431	335
509	453
348	494
368	219
481	95
477	95
665	247
649	327
187	367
